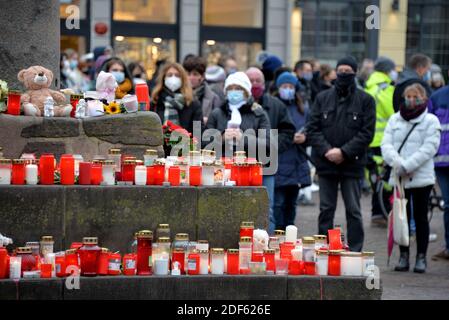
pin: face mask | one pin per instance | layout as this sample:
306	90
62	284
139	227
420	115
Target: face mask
73	64
173	83
235	97
231	71
393	75
413	102
258	91
308	76
427	76
119	76
287	93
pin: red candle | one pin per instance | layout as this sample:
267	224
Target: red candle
128	170
335	239
46	269
3	262
296	268
96	174
334	263
234	172
195	175
114	264
143	95
129	264
85	176
309	268
74	98
103	262
13	106
144	252
233	262
29	261
150	176
243	176
89	255
286	250
71	259
60	266
247	229
257	257
179	256
47	169
174	176
269	257
18	172
256	174
67	166
194	264
159	174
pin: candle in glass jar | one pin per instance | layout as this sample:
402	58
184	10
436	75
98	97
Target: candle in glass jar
85	173
47	169
108	173
308	249
144	252
67	166
351	264
96	173
149	157
46	245
320	242
31	173
15	266
13	105
140	176
256	173
291	234
269	258
368	263
245	248
89	255
280	234
232	265
159	172
334	263
240	156
174	176
217	261
195	175
5	171
18	172
208	174
116	156
204	261
322	262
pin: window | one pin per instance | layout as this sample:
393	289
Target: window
64	8
148	11
145	50
76	39
231	13
76	43
244	53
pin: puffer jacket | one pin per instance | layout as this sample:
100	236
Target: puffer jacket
417	154
440	108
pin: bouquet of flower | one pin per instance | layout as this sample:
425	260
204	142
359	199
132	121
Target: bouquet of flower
170	131
3	95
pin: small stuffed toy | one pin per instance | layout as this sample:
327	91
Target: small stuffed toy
260	240
37	81
106	86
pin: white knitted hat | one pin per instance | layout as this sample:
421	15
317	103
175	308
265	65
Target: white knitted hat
241	79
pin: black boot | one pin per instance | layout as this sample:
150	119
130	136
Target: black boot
403	264
421	263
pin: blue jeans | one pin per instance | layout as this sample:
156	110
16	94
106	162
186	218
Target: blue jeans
268	182
285	206
443	182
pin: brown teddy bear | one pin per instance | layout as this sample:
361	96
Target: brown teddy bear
37	81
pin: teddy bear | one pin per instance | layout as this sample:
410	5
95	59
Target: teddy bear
37	81
106	86
260	240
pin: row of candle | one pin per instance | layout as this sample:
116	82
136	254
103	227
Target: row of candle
200	170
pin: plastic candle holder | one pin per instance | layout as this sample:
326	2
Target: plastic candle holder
334	263
129	264
47	169
85	174
96	173
143	95
71	259
296	268
217	261
247	229
140	175
18	172
269	258
193	264
286	250
256	173
114	264
46	270
309	268
159	173
243	176
150	176
31	173
5	171
281	266
195	175
128	170
13	105
174	176
335	239
233	262
322	262
144	252
103	262
178	255
89	256
67	166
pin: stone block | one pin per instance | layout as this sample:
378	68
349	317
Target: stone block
53	128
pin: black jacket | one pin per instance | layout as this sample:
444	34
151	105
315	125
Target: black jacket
253	117
348	125
279	119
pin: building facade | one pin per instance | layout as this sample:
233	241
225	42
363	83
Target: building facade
147	30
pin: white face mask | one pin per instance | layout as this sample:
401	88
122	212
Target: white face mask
393	75
173	83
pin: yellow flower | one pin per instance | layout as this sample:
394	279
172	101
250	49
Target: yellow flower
112	108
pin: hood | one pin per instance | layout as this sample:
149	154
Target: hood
408	74
377	78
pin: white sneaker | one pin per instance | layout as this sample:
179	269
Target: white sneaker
314	187
433	237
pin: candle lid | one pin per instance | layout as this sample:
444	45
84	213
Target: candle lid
108	162
97	161
163	240
70	251
194	153
5	161
245	239
77	96
104	250
218	163
145	234
90	240
208	164
350	254
247	224
129	162
14	92
139	162
320	237
217	251
321	252
163	226
233	251
178	250
151	152
368	254
207	152
18	161
24	250
203	251
269	251
115	151
336	252
240	154
279	232
182	236
308	240
203	241
47	238
181	162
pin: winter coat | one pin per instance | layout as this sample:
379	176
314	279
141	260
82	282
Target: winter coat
407	78
209	100
416	156
440	108
347	124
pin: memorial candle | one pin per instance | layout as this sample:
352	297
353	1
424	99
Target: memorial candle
334	263
67	167
159	172
174	176
269	258
256	174
233	262
291	234
96	173
5	171
89	255
31	173
144	252
85	173
195	175
18	172
47	169
13	105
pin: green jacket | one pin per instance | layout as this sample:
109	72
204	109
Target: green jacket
380	88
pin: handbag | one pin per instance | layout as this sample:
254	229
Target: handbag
387	171
399	215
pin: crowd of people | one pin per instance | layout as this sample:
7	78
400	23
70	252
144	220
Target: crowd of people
352	117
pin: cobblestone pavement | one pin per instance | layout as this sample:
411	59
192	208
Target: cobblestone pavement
433	285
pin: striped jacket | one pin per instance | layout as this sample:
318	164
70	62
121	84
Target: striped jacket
440	108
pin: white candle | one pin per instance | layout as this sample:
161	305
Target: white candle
297	254
108	174
217	264
208	178
50	258
15	266
204	262
141	175
161	267
321	264
351	264
291	234
31	174
5	175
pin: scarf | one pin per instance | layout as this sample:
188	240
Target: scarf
123	88
236	117
410	114
200	91
173	104
345	84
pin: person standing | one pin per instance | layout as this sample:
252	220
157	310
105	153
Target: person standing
280	120
418	132
304	72
380	86
340	129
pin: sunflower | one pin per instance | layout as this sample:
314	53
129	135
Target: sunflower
112	108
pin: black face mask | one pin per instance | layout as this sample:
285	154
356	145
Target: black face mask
345	83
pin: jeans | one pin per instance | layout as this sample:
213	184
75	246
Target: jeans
351	192
443	182
268	182
285	199
418	204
